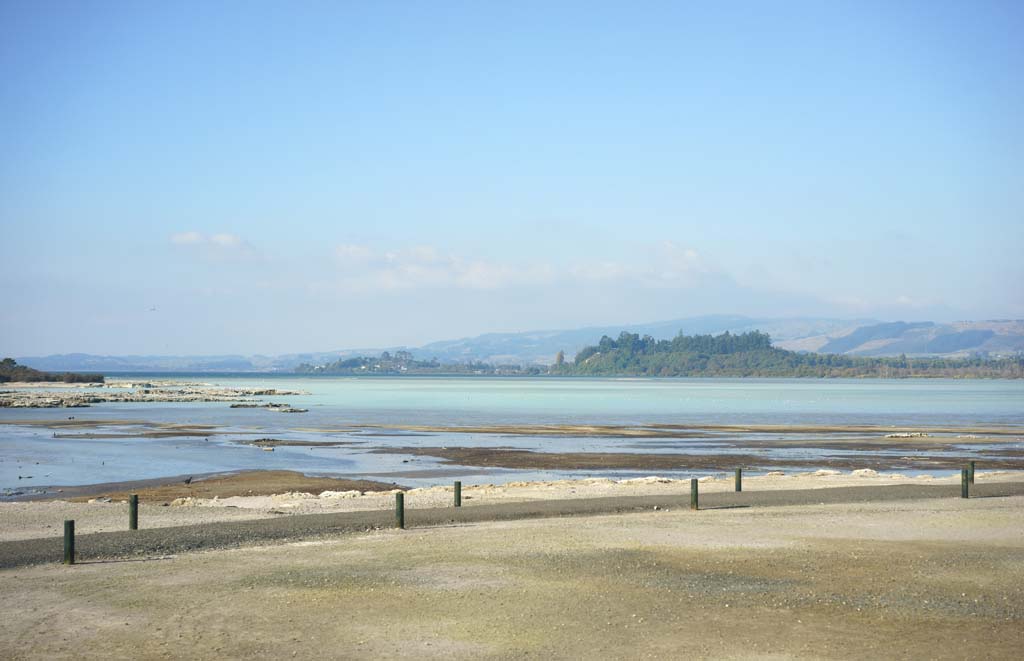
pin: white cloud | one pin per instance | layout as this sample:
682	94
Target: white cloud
364	269
226	240
187	238
675	266
349	253
599	271
915	302
219	244
665	265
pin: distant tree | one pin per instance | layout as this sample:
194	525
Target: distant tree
560	358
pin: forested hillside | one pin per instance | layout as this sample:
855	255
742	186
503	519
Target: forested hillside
10	370
752	354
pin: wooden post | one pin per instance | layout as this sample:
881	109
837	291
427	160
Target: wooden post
693	494
739	479
69	542
400	509
970	471
965	485
458	493
133	512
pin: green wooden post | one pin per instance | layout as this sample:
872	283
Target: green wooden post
133	512
69	542
970	471
458	493
739	479
693	494
400	509
965	485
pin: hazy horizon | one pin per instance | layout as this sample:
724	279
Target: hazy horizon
624	326
258	178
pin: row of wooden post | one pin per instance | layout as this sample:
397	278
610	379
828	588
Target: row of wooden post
966	480
400	504
69	529
694	497
694	491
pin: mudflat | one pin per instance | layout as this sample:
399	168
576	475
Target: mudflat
243	483
934	578
527	459
685	431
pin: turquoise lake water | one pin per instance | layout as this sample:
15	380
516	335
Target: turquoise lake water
456	401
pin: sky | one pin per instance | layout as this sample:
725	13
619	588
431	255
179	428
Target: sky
268	177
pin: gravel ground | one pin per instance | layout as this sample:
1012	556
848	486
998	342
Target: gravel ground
938	577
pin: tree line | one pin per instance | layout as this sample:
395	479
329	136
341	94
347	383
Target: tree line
403	363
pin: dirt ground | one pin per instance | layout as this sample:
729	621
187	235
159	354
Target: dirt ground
913	579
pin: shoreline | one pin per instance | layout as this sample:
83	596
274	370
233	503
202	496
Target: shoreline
239	483
273	482
238	497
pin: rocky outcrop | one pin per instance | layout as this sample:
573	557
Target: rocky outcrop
71	397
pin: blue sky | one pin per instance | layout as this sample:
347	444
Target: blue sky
268	177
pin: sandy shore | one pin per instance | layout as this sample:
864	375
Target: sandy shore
941	578
272	494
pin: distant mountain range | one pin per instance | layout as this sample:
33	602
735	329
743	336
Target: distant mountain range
859	337
540	347
926	338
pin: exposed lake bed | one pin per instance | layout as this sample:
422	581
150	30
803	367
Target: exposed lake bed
422	432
